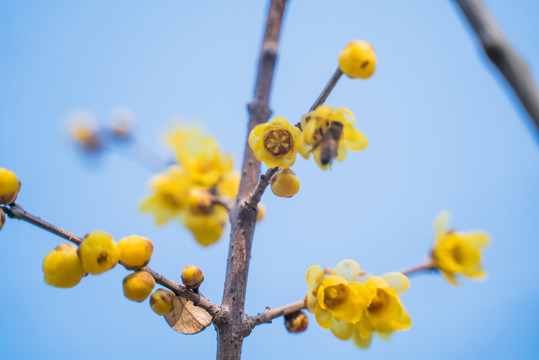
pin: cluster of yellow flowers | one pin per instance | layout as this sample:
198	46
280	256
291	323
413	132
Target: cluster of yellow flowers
185	191
356	304
326	133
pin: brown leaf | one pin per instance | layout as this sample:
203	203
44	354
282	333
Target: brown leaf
187	318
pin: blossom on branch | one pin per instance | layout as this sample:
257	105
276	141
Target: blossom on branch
327	134
457	253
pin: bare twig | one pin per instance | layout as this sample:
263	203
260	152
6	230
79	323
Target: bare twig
243	217
327	89
427	265
222	201
261	185
270	314
17	212
500	52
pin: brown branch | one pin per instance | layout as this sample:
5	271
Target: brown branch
427	265
327	89
270	314
222	201
243	217
261	185
500	52
17	212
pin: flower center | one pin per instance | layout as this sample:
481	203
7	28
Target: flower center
278	142
456	254
334	295
379	302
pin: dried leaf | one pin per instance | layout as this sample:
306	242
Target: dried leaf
187	318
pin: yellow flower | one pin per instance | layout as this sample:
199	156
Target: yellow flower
84	130
9	186
358	60
138	286
98	252
385	314
162	301
327	134
62	267
200	156
135	251
274	143
170	194
206	228
336	300
229	184
457	253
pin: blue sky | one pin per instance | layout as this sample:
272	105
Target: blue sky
444	131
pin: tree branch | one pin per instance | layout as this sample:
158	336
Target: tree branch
16	211
261	185
500	52
327	89
270	314
243	217
427	265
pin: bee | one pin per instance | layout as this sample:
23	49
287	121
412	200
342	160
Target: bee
329	135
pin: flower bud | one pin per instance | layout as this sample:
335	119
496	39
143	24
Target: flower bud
84	131
285	183
358	60
199	202
192	277
121	121
162	301
261	212
138	286
62	267
135	251
9	186
2	218
296	322
98	252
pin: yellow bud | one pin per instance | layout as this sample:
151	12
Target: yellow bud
138	286
2	218
162	301
192	277
98	252
285	183
358	60
121	122
135	251
62	267
199	202
9	186
296	322
261	211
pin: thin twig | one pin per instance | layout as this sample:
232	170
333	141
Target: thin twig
502	55
427	265
261	185
327	89
269	314
16	211
222	201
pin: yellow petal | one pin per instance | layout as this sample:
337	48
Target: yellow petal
348	116
348	269
354	139
362	340
384	335
441	223
342	153
342	329
314	276
476	240
397	281
323	317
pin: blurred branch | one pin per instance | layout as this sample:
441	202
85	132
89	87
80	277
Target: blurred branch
502	55
230	332
17	212
427	265
270	314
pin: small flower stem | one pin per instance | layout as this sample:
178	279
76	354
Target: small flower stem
327	89
260	187
16	211
428	265
269	314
